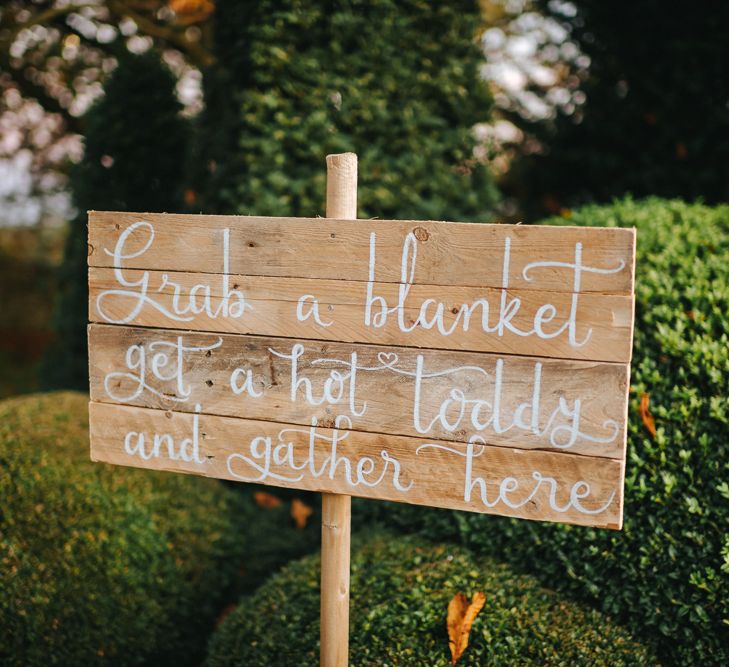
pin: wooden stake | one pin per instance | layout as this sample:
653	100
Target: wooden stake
337	509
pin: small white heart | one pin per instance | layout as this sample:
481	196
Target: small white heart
388	359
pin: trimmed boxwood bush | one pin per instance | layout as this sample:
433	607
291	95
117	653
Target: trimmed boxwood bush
396	81
106	564
401	587
667	573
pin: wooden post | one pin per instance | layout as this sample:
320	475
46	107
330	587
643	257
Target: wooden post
337	509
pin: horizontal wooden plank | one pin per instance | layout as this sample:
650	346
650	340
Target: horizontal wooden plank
520	402
437	253
519	483
592	327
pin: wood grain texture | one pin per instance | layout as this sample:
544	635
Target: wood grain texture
548	486
448	253
471	313
336	509
124	361
491	361
336	530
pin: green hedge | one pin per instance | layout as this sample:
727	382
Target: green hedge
667	573
400	592
396	81
105	564
135	145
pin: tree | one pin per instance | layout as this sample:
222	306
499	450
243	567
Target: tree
34	33
136	147
655	119
54	57
396	82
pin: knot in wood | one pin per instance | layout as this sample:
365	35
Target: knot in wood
421	234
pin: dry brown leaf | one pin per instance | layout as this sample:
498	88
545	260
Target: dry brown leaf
267	500
461	614
191	6
301	512
192	11
646	416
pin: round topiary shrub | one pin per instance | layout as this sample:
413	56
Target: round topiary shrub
105	564
666	574
401	587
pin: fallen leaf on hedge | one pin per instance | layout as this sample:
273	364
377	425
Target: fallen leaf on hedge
301	512
267	500
646	416
461	614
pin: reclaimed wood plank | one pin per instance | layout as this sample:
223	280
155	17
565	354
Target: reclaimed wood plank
443	253
538	485
591	327
521	402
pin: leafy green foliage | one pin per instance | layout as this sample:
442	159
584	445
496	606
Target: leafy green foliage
102	564
400	593
667	572
396	82
269	537
136	145
655	120
135	141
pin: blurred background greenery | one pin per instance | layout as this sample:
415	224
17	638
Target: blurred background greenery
543	111
463	110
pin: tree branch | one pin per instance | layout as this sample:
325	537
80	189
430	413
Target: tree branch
118	9
198	55
30	90
43	17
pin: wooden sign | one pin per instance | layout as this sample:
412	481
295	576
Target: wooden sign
470	366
